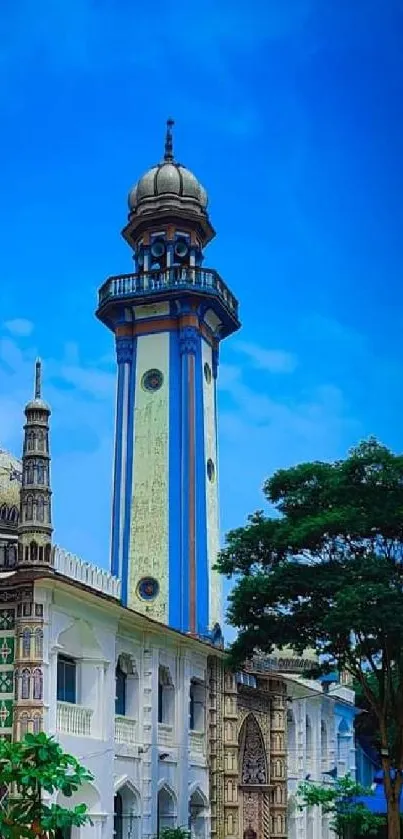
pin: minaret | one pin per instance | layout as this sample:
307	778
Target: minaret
35	527
168	318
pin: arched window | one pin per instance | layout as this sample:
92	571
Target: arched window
343	742
4	512
166	810
165	696
37	723
13	514
40	509
29	508
38	684
48	553
33	550
40	471
197	700
120	699
26	643
25	684
38	643
30	441
40	441
197	815
29	473
24	725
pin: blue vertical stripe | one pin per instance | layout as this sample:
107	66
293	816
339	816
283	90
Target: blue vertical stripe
174	476
117	475
202	569
183	565
129	476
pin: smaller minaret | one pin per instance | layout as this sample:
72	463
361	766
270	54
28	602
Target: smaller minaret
35	523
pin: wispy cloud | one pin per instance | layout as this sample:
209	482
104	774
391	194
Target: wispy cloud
275	361
20	327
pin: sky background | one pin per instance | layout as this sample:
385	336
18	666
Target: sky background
291	114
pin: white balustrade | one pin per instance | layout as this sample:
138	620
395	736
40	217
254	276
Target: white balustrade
165	734
125	730
74	719
197	741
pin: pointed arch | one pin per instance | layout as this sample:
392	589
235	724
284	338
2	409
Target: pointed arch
166	807
253	752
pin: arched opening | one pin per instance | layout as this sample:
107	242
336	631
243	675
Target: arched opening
165	696
253	763
126	822
86	794
197	814
292	744
166	810
343	743
309	744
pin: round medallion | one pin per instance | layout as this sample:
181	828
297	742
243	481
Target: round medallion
152	380
207	373
210	470
148	588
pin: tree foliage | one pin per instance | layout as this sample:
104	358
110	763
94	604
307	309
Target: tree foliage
337	801
326	572
35	764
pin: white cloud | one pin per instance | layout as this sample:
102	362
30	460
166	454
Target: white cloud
21	327
275	361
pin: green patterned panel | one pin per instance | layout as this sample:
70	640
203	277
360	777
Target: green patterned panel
6	681
6	650
6	713
7	619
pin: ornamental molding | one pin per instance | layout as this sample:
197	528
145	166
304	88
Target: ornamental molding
189	337
124	349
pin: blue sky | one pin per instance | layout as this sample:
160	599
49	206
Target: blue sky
291	114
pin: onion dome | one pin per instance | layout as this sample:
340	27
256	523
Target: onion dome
169	184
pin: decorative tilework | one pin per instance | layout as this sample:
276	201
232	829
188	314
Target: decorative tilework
6	650
6	681
7	619
6	713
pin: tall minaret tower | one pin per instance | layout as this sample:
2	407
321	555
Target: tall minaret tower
35	523
168	319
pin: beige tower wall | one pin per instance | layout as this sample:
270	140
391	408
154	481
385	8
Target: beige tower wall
148	551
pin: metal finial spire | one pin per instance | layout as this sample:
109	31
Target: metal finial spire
38	378
169	150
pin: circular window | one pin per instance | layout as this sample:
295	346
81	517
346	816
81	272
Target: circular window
207	373
152	380
148	588
210	470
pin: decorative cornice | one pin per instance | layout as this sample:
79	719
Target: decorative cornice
124	349
188	340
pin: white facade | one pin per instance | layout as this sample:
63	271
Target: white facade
150	760
320	734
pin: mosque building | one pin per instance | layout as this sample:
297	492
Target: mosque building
126	667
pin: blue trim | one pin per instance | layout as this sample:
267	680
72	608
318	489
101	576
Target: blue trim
117	476
184	484
202	569
129	476
174	477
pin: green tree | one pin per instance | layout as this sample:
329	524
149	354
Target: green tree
28	767
326	571
336	800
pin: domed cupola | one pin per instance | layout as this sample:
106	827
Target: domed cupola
167	192
167	184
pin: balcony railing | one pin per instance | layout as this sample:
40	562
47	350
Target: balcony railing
197	741
74	719
125	730
165	734
171	279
